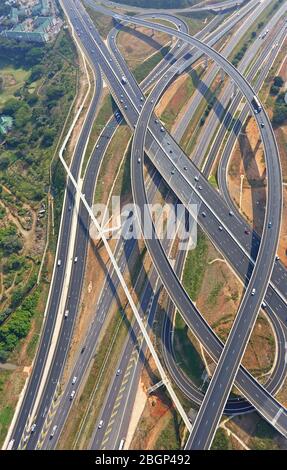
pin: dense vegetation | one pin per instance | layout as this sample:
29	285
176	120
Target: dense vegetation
159	3
280	105
38	104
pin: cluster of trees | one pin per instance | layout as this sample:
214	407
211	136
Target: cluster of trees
19	110
280	105
10	241
38	113
280	110
21	52
278	82
13	263
4	9
37	116
17	326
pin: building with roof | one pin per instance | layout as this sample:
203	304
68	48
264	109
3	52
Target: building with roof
32	23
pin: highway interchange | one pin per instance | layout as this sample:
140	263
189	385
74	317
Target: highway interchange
148	136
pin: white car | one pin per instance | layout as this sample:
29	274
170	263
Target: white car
253	291
66	313
33	427
53	431
59	262
72	395
74	380
100	424
76	259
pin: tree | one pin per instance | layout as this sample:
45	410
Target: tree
278	81
36	73
11	106
280	114
22	116
54	92
35	55
48	137
274	90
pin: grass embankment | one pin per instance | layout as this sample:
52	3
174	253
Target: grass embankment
106	110
264	438
169	438
196	21
195	266
180	98
202	112
186	353
221	441
143	70
111	163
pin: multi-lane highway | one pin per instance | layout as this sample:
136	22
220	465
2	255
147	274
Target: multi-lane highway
76	280
136	95
65	398
111	79
223	378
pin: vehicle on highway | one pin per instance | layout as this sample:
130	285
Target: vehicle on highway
10	445
118	372
76	259
72	395
253	291
121	446
100	424
74	380
256	105
59	262
66	313
53	431
124	80
33	427
139	160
